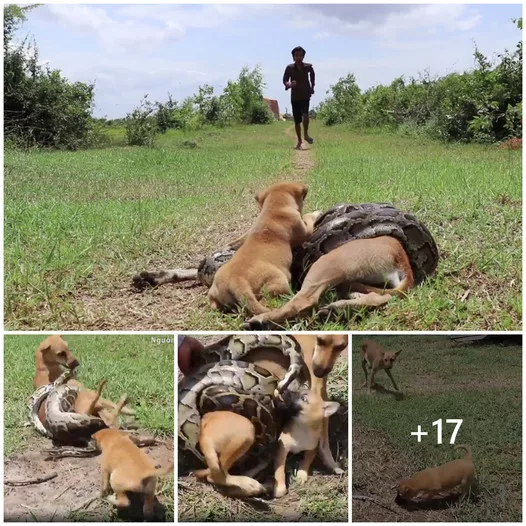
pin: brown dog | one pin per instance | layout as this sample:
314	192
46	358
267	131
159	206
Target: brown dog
352	267
263	261
224	438
450	479
229	436
302	433
375	358
126	468
52	355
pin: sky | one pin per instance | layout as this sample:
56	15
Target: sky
130	50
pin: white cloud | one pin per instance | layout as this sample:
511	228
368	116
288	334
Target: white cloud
111	32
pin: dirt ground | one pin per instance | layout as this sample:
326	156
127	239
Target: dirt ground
375	462
73	495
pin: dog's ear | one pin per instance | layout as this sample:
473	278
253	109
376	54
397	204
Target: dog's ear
260	198
304	190
329	408
398	352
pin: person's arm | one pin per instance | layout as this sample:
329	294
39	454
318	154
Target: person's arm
312	79
286	77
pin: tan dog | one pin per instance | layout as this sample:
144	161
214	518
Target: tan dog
352	267
375	358
440	482
302	433
52	355
263	261
228	436
126	468
224	439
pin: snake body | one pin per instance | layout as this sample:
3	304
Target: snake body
343	223
228	383
62	425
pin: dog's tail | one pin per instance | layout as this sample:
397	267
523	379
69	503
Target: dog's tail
157	472
467	450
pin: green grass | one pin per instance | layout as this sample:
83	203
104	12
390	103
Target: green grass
132	364
481	385
77	223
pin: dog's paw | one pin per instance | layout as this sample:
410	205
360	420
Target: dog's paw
301	476
338	471
280	491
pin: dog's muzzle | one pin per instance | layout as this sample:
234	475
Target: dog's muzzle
73	364
320	372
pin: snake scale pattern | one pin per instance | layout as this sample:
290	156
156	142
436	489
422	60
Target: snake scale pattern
228	383
62	425
343	223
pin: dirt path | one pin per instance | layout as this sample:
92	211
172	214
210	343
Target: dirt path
172	307
71	495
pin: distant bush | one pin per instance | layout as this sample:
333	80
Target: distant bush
41	107
482	105
141	125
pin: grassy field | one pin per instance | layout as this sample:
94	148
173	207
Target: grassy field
480	384
323	498
79	225
132	364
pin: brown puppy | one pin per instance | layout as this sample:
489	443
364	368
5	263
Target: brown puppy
320	353
302	433
225	438
375	358
52	355
351	267
126	468
440	482
263	261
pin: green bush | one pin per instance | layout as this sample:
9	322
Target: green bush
41	107
141	125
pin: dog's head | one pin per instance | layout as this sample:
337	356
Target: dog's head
297	190
54	352
328	348
390	358
306	407
103	436
405	492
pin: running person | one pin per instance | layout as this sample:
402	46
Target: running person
299	76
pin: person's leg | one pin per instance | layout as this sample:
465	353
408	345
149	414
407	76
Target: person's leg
305	111
297	114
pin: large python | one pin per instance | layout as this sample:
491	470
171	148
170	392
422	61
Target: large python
343	223
62	425
228	383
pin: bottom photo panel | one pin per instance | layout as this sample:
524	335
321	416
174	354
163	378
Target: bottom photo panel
263	427
437	428
88	428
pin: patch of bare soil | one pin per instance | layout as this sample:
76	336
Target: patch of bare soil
72	495
377	469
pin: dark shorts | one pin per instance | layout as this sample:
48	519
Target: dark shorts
300	108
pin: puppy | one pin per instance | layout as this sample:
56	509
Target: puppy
263	261
375	358
126	468
52	355
439	482
302	433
